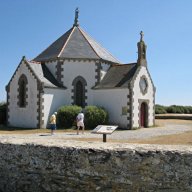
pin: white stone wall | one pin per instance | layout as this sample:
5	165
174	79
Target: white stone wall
113	100
53	100
73	69
23	117
137	94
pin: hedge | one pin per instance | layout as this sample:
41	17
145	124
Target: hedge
3	111
66	115
94	116
160	109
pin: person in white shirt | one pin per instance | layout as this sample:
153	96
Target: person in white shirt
80	122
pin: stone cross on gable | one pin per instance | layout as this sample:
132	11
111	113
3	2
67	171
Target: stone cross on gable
142	35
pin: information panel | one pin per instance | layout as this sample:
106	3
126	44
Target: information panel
104	129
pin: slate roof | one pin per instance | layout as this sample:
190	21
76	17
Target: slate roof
75	43
118	76
43	74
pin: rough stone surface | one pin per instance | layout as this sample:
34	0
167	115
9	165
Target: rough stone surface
88	166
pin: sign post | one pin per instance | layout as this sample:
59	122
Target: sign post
105	130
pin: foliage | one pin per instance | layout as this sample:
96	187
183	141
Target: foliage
179	109
3	111
159	109
66	115
95	116
188	109
3	106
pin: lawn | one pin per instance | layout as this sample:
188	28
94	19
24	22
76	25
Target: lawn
177	139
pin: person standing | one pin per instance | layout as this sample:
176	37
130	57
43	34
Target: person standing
53	123
80	122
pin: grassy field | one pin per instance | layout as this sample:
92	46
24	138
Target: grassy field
177	139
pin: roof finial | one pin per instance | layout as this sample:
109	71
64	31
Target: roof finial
24	58
76	22
142	35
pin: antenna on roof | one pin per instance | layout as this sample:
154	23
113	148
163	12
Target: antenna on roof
76	22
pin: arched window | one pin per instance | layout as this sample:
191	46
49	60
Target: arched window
79	93
22	97
79	90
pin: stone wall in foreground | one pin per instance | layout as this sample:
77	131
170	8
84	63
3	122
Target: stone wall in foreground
34	168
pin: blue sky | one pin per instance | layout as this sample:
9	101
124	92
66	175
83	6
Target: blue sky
27	27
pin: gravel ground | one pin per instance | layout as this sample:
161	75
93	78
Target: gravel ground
143	133
151	132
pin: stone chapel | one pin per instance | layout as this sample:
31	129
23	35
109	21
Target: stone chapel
76	70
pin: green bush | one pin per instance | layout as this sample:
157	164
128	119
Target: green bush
175	109
67	115
159	109
188	109
3	106
95	116
3	111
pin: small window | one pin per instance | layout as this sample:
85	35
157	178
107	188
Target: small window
79	93
143	85
79	90
124	110
22	91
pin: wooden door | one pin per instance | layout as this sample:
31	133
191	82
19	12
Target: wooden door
143	115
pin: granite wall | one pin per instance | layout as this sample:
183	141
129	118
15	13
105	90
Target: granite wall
35	168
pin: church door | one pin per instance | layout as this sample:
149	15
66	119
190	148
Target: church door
143	115
79	94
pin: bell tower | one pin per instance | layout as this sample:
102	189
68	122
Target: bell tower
141	61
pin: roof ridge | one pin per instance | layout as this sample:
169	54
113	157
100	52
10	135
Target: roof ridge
124	65
88	41
76	43
133	63
83	32
34	73
32	61
39	56
117	77
66	41
43	74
